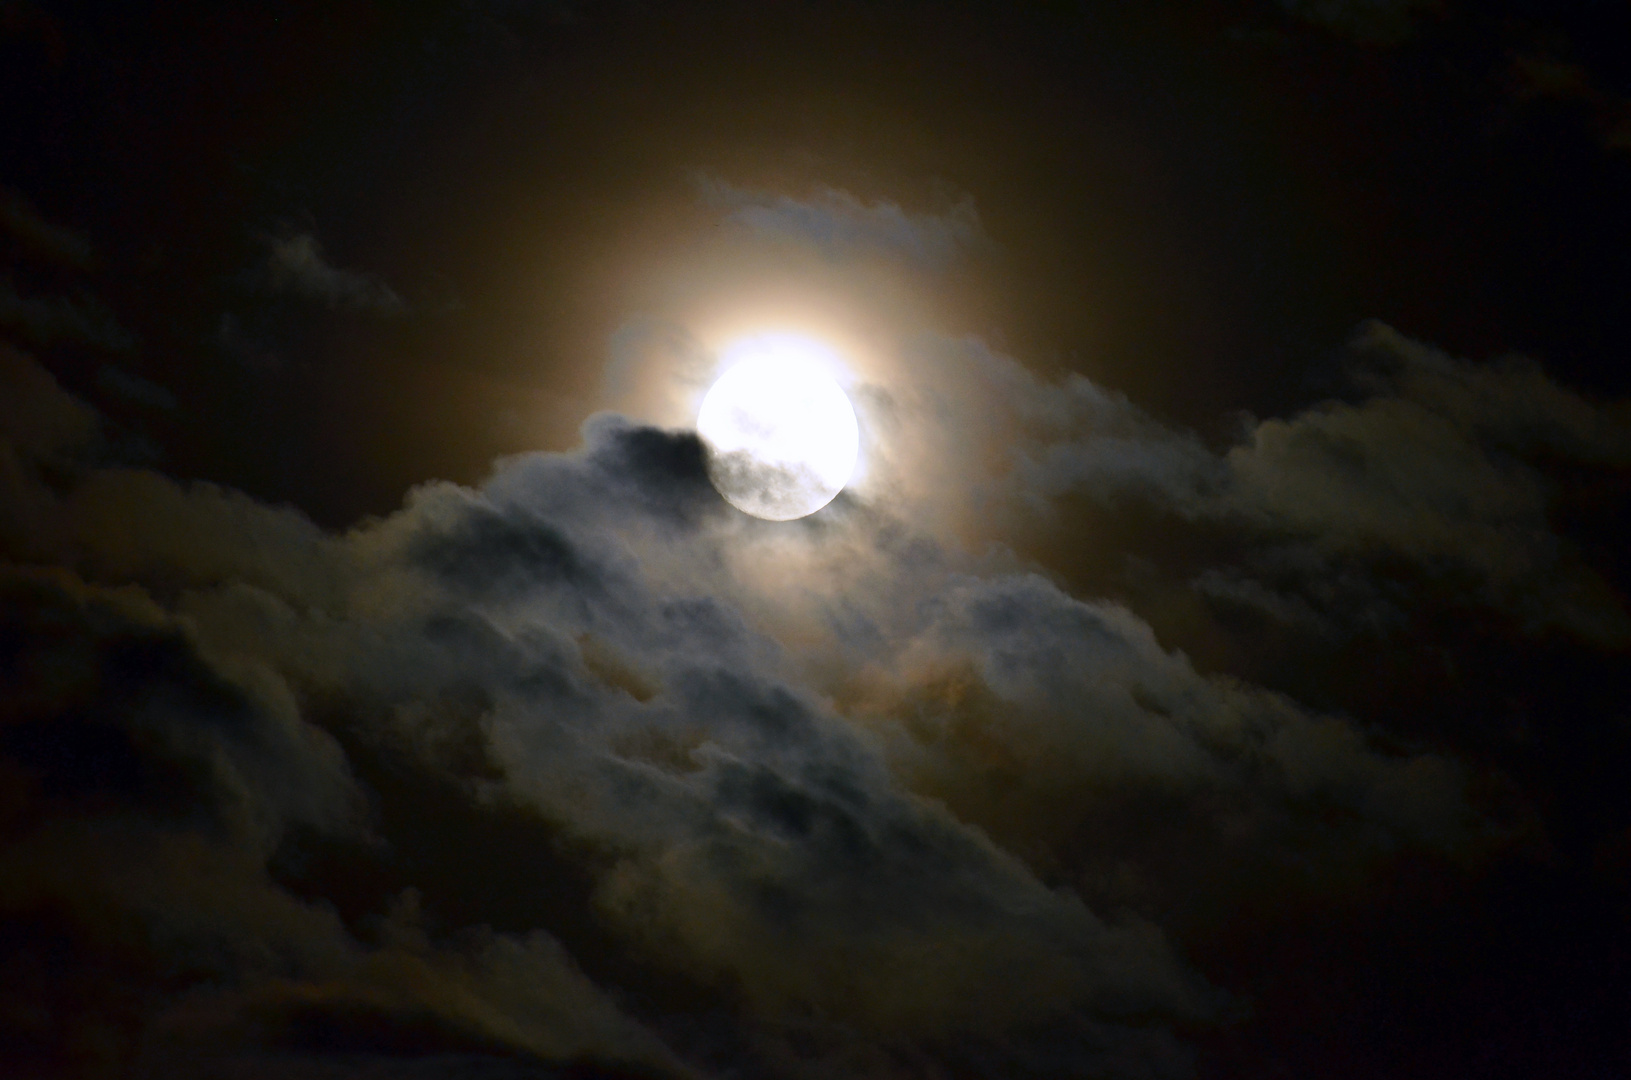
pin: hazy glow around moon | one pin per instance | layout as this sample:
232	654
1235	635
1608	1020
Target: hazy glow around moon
782	437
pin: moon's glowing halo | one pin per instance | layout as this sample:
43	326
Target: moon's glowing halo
782	436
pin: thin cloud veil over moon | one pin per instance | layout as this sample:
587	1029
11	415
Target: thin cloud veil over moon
782	437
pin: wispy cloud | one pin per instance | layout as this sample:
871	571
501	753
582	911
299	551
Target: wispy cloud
837	222
49	320
296	264
40	237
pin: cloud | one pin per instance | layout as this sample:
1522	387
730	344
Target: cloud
1440	465
1069	734
41	422
258	981
838	223
142	717
784	800
40	237
46	321
296	264
483	1000
135	388
153	771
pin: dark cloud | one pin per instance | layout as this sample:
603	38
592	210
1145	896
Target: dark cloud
114	702
855	852
42	316
135	388
297	264
42	423
50	320
1439	464
41	238
153	770
1143	708
1065	730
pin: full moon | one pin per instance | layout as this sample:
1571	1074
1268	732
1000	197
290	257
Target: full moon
781	434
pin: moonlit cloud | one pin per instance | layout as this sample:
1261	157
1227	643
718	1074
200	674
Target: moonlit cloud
838	223
848	807
1190	679
1436	462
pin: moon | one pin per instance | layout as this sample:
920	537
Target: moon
781	434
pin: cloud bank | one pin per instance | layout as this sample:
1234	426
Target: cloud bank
1441	470
580	767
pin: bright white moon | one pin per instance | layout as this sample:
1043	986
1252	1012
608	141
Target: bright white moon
781	435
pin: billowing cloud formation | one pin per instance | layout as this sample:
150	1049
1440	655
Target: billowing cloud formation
826	799
296	264
838	223
1438	465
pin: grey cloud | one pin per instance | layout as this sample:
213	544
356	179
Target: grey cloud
155	763
726	772
626	474
268	981
1440	464
836	222
157	723
971	419
476	1002
1065	730
783	857
1301	591
296	264
761	840
849	849
487	551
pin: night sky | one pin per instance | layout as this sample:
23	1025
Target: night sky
1218	667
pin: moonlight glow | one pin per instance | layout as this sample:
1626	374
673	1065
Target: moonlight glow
782	437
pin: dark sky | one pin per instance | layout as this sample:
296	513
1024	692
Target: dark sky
1219	668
